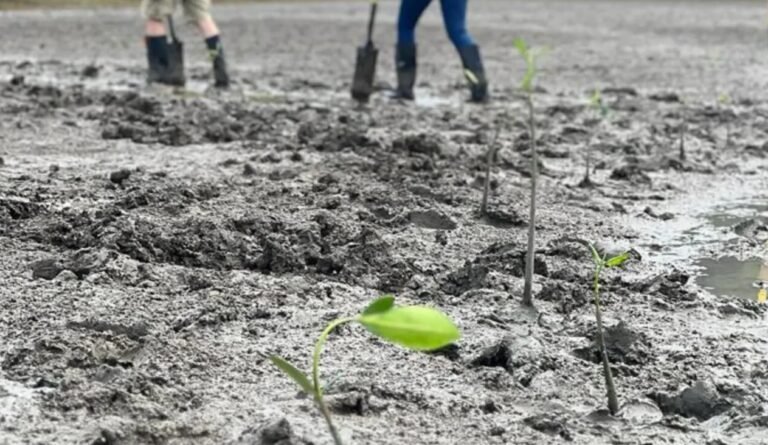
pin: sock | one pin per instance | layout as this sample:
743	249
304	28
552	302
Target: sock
157	47
215	48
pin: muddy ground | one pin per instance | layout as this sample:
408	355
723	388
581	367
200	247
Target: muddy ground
159	245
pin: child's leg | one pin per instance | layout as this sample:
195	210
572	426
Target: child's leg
199	11
410	13
455	19
155	12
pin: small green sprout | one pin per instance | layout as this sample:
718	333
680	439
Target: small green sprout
418	328
601	263
531	57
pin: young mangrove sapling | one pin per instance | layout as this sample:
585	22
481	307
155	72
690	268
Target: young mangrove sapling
489	162
530	56
418	328
601	263
600	112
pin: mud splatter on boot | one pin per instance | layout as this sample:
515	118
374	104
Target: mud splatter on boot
474	72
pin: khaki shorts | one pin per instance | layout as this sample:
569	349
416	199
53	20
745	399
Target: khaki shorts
194	10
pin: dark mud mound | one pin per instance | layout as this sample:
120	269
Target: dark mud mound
182	122
626	349
488	269
523	357
19	209
566	295
701	400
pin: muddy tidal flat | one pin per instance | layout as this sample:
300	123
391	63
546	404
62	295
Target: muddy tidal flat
158	245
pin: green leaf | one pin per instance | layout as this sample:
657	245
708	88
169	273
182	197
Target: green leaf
379	305
295	375
415	327
522	47
618	260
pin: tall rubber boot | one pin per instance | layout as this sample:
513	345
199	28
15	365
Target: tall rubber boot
405	63
220	74
474	72
157	59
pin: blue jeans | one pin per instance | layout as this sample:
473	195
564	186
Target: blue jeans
454	17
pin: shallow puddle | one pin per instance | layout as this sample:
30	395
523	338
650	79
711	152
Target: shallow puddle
734	277
703	236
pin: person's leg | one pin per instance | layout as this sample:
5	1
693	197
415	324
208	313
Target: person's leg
155	11
455	18
410	13
199	11
405	51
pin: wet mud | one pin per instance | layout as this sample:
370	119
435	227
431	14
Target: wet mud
158	245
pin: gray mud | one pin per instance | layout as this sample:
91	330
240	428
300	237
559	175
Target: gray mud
158	246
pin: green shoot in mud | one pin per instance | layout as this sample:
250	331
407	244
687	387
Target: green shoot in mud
415	327
601	263
600	112
493	149
530	56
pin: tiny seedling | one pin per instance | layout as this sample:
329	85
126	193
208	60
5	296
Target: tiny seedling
683	128
724	100
530	56
600	111
418	328
601	263
489	162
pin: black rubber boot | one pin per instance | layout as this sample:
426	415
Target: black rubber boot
405	62
220	75
474	72
157	59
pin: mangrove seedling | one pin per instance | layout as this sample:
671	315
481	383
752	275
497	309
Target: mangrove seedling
724	100
418	328
490	160
601	263
683	128
530	56
600	112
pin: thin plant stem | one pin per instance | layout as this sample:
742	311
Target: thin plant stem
492	150
613	401
529	260
683	128
316	378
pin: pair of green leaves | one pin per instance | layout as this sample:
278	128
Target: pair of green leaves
605	262
418	328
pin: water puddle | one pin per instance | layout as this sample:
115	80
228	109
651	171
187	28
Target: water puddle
720	234
731	276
